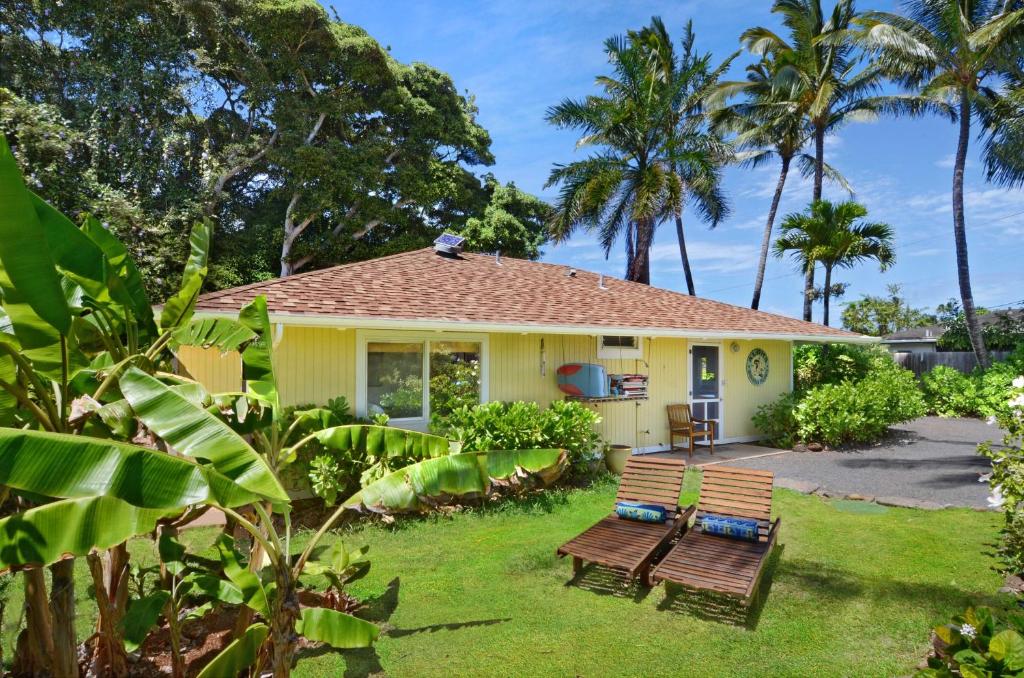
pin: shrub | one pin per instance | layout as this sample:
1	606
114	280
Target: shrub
977	643
817	364
1007	478
948	392
777	420
983	393
521	425
847	412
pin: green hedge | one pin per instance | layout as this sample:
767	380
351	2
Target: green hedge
982	393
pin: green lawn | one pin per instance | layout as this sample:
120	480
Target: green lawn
853	592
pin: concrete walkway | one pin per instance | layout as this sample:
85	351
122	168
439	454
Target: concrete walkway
930	459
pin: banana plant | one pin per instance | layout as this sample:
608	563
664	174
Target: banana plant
73	315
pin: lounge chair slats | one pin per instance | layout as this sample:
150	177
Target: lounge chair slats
720	564
629	545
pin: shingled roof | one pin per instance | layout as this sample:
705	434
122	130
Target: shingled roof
424	290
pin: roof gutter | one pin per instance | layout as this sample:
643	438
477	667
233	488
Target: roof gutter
308	320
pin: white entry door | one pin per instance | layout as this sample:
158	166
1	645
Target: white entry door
706	385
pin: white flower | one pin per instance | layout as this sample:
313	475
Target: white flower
995	500
991	421
968	631
984	477
1018	382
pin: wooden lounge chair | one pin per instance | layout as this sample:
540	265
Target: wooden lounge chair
682	424
630	545
722	564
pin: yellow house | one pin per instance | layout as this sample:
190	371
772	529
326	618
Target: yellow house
378	333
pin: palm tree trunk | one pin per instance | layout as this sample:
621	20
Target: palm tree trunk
819	173
683	255
767	238
826	297
640	271
62	608
960	234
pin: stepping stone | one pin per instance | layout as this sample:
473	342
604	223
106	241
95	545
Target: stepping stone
801	486
906	502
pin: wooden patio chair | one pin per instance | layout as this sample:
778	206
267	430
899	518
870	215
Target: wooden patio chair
630	545
682	424
722	564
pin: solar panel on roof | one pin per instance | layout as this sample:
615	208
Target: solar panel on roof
449	243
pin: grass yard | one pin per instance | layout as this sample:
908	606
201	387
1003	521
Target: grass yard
481	593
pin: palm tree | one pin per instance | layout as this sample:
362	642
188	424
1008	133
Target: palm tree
835	236
768	124
688	82
655	150
952	52
817	67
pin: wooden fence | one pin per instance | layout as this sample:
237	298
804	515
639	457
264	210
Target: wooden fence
919	363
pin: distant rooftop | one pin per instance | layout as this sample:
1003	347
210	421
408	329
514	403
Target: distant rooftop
932	333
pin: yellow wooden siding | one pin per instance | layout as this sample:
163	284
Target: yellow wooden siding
743	398
216	371
515	374
315	364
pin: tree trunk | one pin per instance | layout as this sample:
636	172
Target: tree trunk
826	297
682	254
35	649
819	173
766	239
62	608
640	271
963	271
284	614
109	654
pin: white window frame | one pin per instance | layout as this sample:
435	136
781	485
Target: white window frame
366	337
620	352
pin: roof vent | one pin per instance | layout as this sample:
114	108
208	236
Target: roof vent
571	273
449	244
600	282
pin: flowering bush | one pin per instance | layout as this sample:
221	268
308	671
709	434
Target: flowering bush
983	393
977	643
1007	477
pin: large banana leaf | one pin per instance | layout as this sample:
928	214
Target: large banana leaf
25	257
79	258
178	309
67	466
194	431
421	486
123	266
239	655
253	593
380	441
337	629
221	333
142	615
119	417
258	357
71	527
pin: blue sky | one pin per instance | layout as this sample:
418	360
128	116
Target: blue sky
518	57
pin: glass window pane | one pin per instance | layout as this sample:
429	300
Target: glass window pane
454	376
705	372
394	379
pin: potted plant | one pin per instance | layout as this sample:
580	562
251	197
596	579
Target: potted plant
615	457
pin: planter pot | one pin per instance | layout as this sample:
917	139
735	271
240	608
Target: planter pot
615	458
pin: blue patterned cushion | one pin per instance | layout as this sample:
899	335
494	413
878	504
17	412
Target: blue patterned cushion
646	513
734	528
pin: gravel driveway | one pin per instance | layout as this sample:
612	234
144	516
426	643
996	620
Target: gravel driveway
930	459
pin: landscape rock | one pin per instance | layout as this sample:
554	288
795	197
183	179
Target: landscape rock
860	497
801	486
815	447
1013	584
906	502
799	447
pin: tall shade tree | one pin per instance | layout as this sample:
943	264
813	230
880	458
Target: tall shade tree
688	80
644	169
769	123
836	236
952	52
819	66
